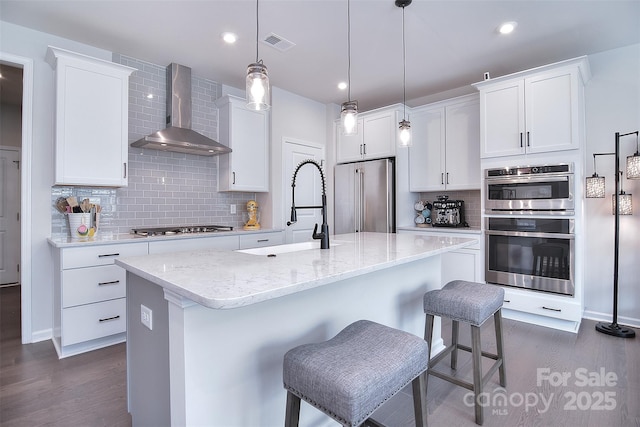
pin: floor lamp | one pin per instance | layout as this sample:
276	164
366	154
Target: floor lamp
621	205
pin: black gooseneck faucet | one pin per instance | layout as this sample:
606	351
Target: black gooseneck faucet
323	236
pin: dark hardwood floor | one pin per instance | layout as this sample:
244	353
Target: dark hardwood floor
38	389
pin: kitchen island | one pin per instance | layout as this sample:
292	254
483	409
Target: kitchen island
221	321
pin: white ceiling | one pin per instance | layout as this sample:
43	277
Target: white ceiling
450	43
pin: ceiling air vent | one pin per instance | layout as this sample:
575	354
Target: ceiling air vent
278	42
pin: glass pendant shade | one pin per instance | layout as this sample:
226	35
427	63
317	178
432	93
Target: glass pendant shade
595	186
258	90
349	117
626	205
633	166
405	133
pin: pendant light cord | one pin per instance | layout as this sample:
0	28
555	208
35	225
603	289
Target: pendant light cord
404	71
257	31
349	48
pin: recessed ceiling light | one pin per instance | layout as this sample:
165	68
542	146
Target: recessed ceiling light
507	27
342	85
229	37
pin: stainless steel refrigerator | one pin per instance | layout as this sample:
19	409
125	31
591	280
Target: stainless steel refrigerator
365	197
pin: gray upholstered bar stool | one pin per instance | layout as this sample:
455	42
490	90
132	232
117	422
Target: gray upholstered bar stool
471	303
349	376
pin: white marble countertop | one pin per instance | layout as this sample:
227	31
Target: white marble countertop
64	241
223	279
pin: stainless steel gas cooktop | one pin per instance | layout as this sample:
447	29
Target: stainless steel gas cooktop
167	231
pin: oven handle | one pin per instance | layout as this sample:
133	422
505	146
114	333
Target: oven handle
521	179
529	234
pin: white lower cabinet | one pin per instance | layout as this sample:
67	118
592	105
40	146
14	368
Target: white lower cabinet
192	244
90	296
461	264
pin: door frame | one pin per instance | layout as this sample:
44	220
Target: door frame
25	188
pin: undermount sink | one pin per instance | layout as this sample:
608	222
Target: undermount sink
283	249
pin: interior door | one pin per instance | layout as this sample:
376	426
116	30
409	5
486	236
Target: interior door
9	216
308	189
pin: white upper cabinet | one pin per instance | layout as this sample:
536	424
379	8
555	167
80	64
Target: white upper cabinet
535	111
91	118
445	154
246	132
376	138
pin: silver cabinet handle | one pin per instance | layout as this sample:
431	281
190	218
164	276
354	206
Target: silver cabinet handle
447	177
521	140
552	309
262	240
125	169
106	319
234	177
442	178
528	140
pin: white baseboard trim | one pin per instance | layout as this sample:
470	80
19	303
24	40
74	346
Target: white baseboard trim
608	317
43	335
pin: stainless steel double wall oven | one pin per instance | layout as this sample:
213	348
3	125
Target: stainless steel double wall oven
529	227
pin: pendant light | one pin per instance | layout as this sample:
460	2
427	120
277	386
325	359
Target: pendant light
405	125
349	109
258	90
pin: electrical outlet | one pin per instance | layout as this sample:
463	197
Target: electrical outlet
146	316
232	208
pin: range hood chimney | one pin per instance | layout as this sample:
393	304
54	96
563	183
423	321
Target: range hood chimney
178	136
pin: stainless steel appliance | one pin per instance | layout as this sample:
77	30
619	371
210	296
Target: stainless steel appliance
167	231
178	135
364	195
546	189
448	213
532	253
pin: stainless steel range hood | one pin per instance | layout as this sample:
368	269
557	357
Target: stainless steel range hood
178	136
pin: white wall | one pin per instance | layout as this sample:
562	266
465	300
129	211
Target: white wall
299	118
27	43
612	105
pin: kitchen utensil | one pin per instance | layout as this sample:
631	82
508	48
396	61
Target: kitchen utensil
61	204
85	205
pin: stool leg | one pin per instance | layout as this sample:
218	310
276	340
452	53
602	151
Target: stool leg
476	354
454	344
419	385
497	320
428	333
292	415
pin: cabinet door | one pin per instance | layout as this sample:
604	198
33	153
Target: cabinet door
460	265
245	131
380	130
349	147
552	112
249	159
427	155
502	119
462	127
91	122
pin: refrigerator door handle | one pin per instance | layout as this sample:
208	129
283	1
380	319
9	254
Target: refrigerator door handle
363	206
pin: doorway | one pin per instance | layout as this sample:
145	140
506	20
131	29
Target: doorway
17	118
308	188
10	149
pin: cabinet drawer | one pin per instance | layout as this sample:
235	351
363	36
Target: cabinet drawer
548	306
261	240
92	321
92	284
194	244
87	256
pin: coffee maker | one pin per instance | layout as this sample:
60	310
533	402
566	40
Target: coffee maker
448	213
